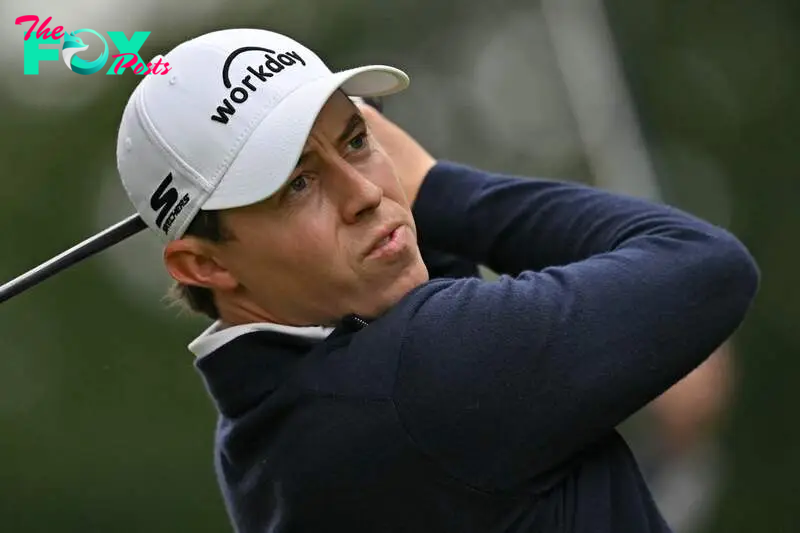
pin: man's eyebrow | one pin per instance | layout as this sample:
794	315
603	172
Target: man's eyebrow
355	121
302	159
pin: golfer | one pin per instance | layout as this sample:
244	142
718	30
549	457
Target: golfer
355	391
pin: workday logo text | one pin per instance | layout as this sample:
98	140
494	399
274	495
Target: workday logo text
127	56
270	64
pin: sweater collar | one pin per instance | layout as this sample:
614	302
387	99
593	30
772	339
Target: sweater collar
241	364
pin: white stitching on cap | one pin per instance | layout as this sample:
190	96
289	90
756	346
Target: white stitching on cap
155	138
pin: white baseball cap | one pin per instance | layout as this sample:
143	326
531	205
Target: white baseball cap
226	125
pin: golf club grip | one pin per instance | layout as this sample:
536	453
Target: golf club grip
376	102
91	246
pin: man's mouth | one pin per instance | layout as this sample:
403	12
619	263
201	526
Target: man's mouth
389	244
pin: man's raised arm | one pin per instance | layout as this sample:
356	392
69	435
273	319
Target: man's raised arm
607	301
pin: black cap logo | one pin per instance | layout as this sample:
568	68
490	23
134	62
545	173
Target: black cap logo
273	64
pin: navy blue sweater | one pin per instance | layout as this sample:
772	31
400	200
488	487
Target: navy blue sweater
483	406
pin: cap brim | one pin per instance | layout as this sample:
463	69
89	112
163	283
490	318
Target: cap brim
270	155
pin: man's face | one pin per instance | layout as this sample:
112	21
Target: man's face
318	248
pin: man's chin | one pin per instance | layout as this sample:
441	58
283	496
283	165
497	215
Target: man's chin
397	289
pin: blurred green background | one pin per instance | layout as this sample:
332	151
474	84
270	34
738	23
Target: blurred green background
105	424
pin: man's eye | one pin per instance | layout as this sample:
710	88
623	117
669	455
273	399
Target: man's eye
298	184
358	142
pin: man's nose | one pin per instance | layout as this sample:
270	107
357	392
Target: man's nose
357	193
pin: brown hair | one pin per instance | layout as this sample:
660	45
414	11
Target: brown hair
205	225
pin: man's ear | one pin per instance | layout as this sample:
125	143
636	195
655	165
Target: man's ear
189	261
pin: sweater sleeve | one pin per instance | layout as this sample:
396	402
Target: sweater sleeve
443	265
605	302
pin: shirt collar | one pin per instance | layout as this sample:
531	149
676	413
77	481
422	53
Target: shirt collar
216	335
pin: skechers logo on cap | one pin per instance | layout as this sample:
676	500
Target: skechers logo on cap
274	64
165	202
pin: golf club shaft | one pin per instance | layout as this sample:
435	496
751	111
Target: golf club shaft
91	246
